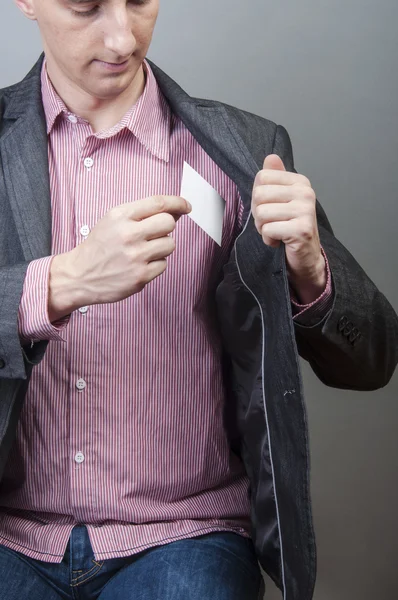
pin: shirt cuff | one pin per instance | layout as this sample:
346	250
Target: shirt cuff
33	321
317	310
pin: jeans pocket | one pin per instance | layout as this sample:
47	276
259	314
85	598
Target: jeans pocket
87	575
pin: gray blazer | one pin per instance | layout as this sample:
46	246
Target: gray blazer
355	346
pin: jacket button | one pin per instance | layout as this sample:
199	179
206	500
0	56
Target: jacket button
348	329
342	323
354	335
2	363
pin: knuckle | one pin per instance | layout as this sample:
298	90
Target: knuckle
304	181
311	195
137	256
257	195
169	223
159	203
115	213
261	217
172	244
140	274
262	177
307	230
263	213
124	236
129	234
308	194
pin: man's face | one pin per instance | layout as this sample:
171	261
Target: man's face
86	41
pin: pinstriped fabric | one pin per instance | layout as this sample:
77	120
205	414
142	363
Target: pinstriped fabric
122	427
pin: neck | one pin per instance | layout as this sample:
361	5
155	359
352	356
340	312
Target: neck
99	112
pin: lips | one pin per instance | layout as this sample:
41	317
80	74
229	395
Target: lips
115	67
115	64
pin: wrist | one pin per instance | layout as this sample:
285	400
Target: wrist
64	294
309	284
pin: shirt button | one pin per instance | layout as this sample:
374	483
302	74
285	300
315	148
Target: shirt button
85	230
72	118
79	457
83	309
88	163
80	384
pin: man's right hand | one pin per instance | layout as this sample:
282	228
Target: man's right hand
126	250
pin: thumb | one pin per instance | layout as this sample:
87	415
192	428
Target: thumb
273	162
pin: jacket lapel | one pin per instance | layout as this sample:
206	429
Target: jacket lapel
24	156
209	124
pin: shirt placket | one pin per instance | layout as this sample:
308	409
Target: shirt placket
83	455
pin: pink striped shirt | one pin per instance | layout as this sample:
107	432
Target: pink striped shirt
122	427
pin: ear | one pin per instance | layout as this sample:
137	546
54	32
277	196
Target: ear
27	7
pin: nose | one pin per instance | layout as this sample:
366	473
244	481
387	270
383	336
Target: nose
118	35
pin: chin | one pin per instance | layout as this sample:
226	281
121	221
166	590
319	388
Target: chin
110	89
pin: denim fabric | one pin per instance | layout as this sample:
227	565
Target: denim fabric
220	566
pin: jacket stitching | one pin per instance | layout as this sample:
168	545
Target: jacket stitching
4	349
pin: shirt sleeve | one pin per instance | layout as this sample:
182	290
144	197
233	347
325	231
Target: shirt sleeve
310	314
33	321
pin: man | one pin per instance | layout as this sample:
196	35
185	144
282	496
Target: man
153	434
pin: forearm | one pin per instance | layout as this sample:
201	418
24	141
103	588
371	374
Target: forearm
309	285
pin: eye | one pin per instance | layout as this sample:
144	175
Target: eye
92	11
86	13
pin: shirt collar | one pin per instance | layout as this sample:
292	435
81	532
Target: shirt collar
52	103
148	119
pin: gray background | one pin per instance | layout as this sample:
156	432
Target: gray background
326	70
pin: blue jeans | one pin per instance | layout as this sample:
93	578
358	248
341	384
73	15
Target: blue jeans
218	566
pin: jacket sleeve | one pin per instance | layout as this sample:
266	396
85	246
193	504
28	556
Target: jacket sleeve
356	345
15	358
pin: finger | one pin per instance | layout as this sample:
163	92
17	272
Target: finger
142	209
271	242
265	194
176	217
159	249
157	226
279	231
272	177
154	269
268	213
274	162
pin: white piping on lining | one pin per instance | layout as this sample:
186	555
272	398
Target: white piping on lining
265	408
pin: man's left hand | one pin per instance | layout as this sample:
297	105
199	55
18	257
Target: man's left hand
284	210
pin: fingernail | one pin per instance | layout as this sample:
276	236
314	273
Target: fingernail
189	205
